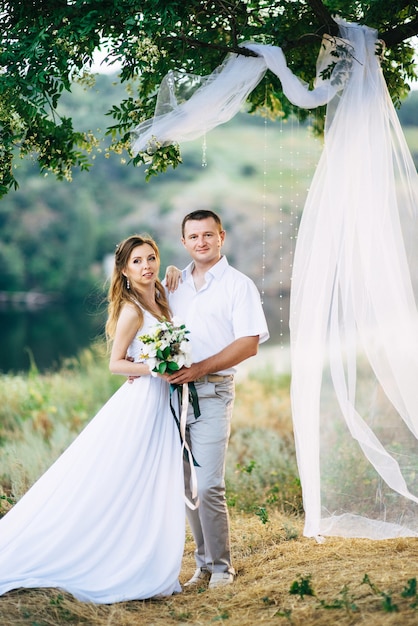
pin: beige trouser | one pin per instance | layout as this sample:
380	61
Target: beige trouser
208	437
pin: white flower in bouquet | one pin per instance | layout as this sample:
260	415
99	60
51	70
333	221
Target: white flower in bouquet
167	348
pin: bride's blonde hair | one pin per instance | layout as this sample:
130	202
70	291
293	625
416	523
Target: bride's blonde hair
119	293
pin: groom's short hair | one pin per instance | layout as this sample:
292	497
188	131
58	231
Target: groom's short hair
201	214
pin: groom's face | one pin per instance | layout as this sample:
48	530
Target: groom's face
203	240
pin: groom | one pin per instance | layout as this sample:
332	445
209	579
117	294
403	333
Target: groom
221	308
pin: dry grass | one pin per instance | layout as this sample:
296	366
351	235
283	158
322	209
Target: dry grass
267	564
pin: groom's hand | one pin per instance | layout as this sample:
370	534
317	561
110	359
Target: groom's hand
131	378
172	278
186	375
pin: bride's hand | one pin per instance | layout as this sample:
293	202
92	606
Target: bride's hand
172	277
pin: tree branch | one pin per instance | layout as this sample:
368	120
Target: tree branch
197	43
309	38
400	33
329	25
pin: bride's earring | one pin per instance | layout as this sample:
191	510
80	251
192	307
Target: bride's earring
128	284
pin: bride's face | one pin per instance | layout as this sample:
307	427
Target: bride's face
142	267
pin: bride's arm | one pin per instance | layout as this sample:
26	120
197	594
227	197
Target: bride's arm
126	330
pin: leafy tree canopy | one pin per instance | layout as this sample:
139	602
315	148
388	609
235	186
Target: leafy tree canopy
47	45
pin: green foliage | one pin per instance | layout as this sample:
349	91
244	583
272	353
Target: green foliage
302	587
12	264
343	601
47	47
160	160
8	501
387	603
262	513
247	468
411	590
49	243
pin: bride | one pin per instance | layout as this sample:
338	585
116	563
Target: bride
106	521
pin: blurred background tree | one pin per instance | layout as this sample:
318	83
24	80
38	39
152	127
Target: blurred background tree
49	45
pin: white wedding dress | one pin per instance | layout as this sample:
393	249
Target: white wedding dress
106	522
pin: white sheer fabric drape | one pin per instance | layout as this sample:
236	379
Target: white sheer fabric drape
188	106
353	315
354	323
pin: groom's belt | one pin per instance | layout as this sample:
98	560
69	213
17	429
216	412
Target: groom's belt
214	378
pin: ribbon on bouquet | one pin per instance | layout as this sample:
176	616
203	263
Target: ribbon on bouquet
187	393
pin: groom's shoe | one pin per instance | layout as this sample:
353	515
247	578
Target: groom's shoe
200	576
220	579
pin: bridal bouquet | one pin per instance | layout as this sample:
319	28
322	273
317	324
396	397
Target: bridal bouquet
167	348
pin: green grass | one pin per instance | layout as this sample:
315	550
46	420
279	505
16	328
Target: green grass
40	414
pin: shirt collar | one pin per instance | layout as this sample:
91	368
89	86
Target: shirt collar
216	270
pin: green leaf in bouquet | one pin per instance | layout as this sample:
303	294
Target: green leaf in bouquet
172	366
162	368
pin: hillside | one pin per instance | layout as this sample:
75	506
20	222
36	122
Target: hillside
254	172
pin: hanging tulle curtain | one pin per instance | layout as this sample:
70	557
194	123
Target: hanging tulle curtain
353	315
216	98
354	323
